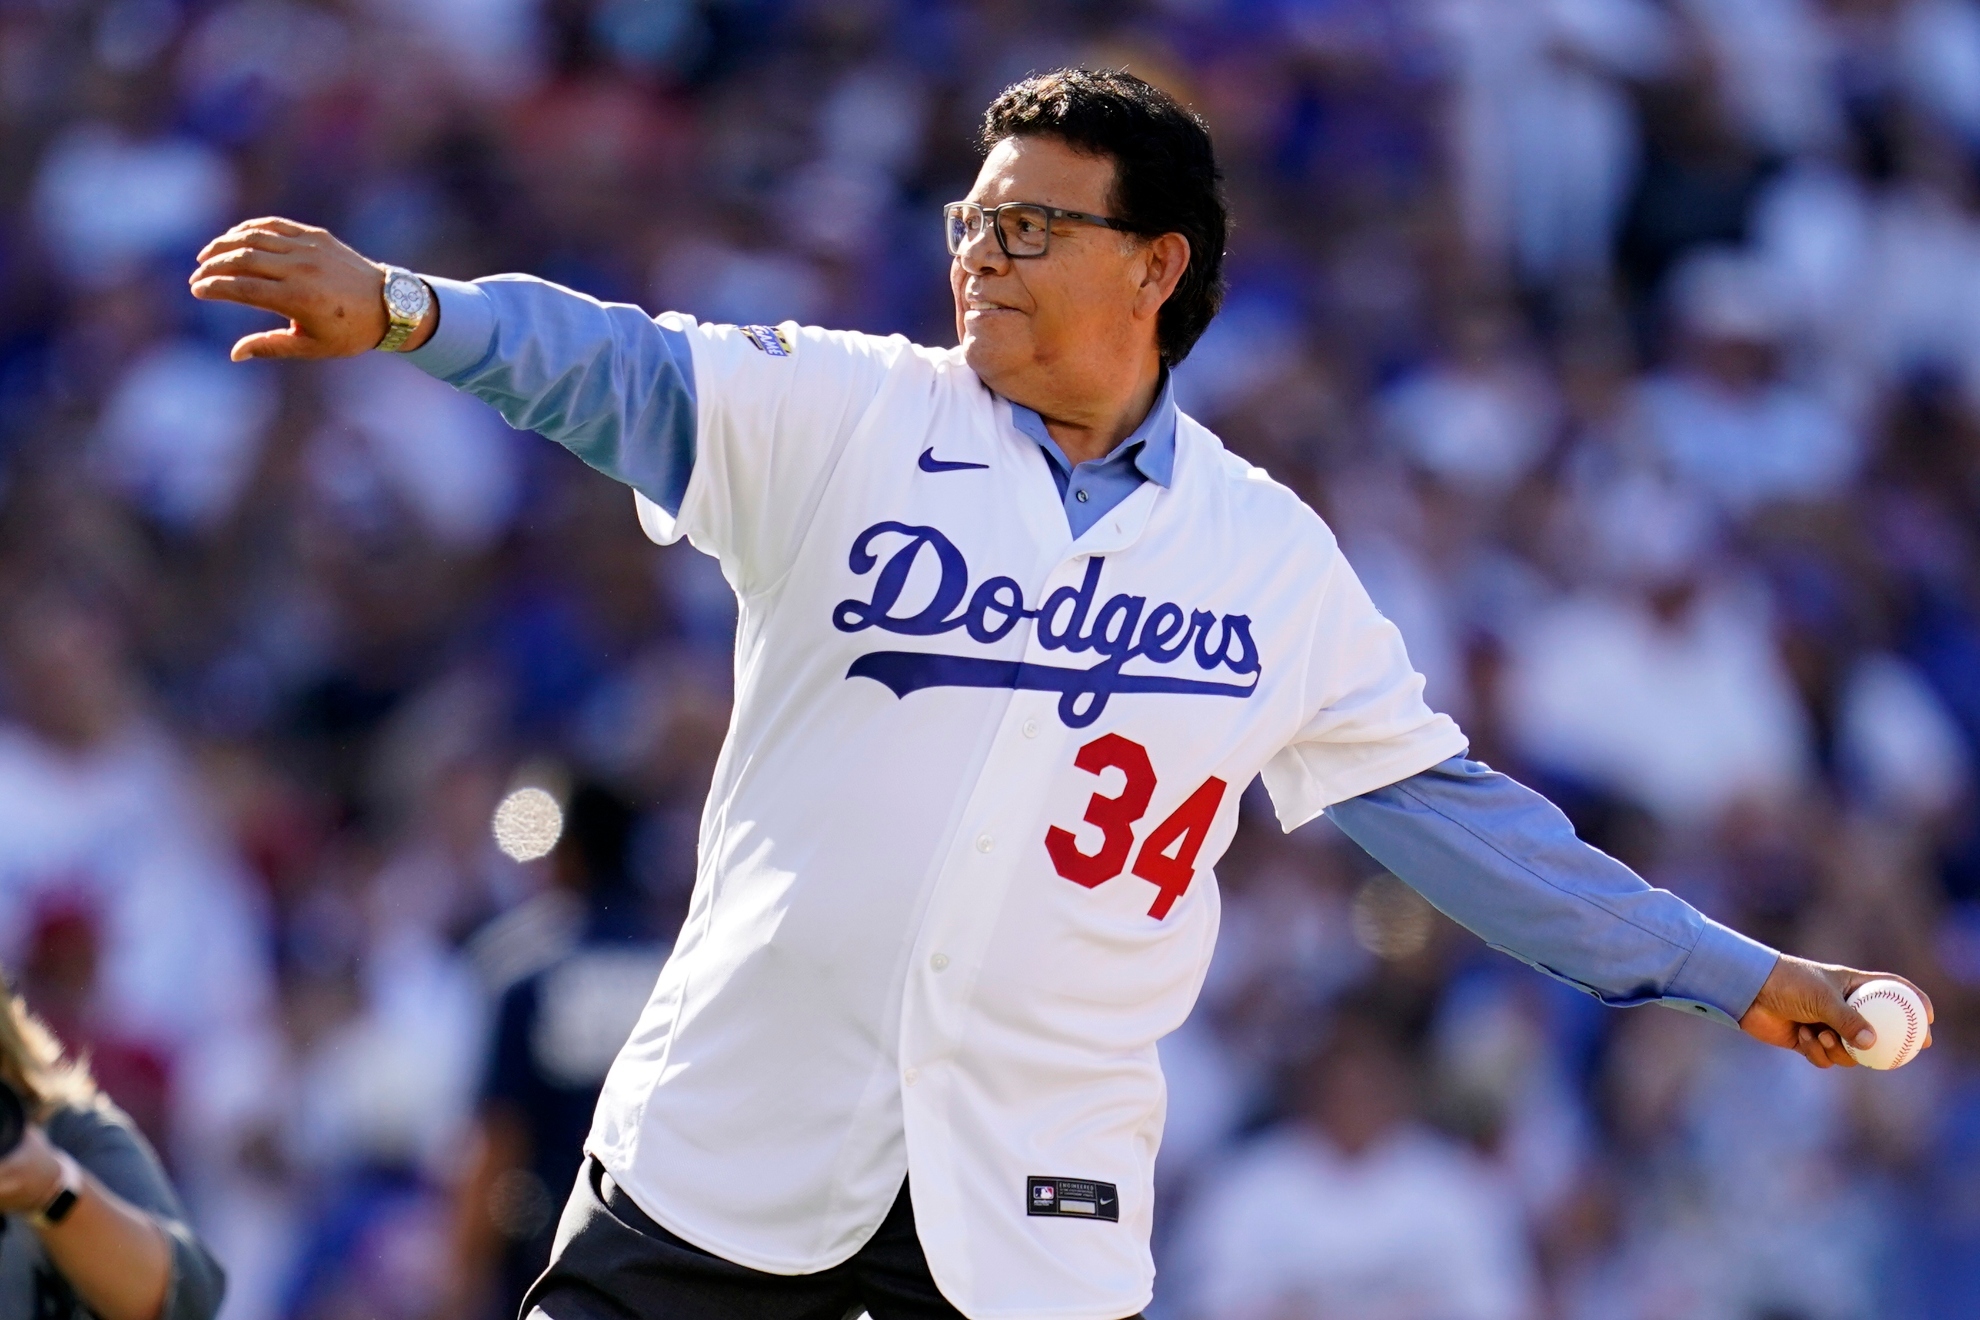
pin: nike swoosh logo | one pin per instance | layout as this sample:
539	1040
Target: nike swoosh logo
930	463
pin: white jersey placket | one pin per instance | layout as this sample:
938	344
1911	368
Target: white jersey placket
1000	835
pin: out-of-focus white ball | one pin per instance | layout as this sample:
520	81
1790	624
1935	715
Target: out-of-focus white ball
1898	1015
528	824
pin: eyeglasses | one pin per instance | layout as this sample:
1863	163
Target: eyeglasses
1024	229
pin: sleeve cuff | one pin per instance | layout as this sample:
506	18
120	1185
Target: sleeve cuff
1724	973
464	334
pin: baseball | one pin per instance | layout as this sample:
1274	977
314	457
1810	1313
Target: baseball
1897	1013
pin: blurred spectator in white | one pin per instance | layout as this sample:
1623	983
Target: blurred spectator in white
391	1087
1544	135
494	48
402	438
1898	747
435	777
100	815
1724	1216
182	432
250	58
1352	1209
1501	1081
1724	417
1412	561
1480	414
1284	946
106	202
1774	65
724	283
132	920
1811	233
1664	688
1883	275
1938	54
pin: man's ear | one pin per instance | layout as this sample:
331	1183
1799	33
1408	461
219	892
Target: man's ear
1166	258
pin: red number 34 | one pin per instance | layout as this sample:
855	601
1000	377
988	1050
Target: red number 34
1168	855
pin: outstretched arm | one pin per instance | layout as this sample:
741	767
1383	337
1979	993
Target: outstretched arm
605	380
1502	861
757	416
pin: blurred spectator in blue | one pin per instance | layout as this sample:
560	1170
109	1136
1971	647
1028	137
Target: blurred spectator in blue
571	969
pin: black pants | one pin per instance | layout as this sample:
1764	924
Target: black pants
611	1262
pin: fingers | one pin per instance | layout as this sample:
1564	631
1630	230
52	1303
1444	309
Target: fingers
270	231
1832	1046
1821	1047
245	261
1810	1048
281	224
249	290
235	240
276	344
1854	1027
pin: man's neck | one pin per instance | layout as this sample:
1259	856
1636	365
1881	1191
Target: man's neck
1092	431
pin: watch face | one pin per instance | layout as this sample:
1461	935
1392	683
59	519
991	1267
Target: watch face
406	295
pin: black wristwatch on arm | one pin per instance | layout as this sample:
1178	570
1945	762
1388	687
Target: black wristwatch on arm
66	1194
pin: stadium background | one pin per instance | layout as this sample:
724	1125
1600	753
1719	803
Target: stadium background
1631	346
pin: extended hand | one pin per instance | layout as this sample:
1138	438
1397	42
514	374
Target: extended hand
29	1176
331	294
1803	1007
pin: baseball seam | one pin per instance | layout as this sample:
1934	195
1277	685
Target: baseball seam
1903	1056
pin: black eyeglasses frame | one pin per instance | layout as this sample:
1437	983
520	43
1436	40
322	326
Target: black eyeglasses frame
1053	214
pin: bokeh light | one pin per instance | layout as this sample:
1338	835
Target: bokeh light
527	824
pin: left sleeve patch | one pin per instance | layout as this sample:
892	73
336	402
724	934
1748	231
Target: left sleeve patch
770	339
1072	1198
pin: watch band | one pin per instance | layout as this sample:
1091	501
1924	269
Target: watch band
402	320
66	1194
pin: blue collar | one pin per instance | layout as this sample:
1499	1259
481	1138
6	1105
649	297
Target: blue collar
1152	445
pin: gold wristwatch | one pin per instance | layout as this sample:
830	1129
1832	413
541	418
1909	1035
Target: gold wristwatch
406	301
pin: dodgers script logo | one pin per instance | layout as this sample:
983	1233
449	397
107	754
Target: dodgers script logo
1120	630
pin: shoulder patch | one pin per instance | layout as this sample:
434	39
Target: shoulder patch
769	339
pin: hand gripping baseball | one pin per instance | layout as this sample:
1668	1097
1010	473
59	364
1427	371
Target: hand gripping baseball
1804	1007
330	293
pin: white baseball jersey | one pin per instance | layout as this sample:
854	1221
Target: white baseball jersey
956	865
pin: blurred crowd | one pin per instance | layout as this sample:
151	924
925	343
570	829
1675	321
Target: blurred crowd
1631	346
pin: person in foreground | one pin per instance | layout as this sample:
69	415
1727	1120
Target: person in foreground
92	1227
1014	634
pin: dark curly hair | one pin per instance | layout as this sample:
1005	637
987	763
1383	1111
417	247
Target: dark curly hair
1165	173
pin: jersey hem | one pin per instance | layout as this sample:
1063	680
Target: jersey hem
733	1254
1110	1312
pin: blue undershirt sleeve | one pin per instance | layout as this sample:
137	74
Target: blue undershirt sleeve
1503	862
605	380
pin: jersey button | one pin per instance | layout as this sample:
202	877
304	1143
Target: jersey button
939	962
911	1076
984	843
1031	727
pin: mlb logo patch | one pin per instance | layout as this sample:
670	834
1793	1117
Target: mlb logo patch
1072	1198
770	339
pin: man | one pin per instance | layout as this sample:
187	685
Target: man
1014	634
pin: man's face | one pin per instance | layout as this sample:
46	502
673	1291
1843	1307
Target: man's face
1036	328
